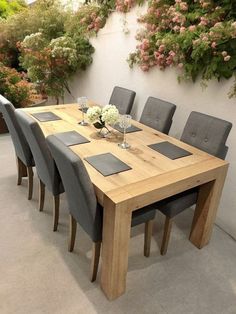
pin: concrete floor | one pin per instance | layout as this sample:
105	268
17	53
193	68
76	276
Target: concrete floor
38	275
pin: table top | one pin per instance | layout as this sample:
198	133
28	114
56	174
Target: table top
151	171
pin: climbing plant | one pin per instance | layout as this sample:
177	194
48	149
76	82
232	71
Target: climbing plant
198	37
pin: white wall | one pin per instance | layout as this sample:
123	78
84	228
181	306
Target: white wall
110	68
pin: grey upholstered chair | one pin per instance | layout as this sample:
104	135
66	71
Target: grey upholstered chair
24	157
83	205
45	165
208	134
158	114
123	99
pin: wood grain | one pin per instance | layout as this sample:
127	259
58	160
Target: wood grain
153	177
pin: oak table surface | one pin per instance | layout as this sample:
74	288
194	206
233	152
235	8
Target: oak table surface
153	177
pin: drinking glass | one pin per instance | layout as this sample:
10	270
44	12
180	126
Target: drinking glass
82	101
125	122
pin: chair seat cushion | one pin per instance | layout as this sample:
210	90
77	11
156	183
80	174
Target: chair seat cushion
175	204
143	215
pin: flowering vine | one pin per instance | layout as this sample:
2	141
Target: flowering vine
198	37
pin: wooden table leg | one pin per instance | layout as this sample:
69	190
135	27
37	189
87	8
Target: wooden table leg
115	247
206	209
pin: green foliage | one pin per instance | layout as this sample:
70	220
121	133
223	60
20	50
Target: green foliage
43	43
8	8
51	42
198	37
14	87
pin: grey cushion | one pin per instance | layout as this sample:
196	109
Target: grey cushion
80	192
21	146
158	114
123	99
207	133
175	204
143	215
45	164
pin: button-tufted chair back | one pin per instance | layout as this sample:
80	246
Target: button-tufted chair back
123	99
207	133
158	114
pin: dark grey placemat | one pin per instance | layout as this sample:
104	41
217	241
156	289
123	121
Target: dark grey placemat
85	109
45	116
71	138
131	129
170	150
107	164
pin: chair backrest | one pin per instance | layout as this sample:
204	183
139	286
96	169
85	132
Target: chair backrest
123	99
207	133
44	162
21	146
78	187
158	114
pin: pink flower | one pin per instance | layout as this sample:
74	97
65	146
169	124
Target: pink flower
161	48
192	28
227	58
172	53
183	6
213	45
145	67
176	28
217	24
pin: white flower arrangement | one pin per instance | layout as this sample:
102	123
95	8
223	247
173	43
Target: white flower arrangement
110	114
94	114
100	116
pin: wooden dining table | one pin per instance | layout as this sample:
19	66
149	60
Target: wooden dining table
153	177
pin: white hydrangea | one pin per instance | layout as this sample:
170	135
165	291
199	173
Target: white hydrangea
34	41
110	114
65	48
94	114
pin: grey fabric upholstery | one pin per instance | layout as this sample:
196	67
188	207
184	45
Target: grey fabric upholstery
208	134
45	164
78	187
21	146
142	215
80	192
123	99
175	204
158	114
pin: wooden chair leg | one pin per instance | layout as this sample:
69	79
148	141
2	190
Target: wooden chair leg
147	237
95	260
73	227
30	175
21	171
19	176
56	205
41	195
166	235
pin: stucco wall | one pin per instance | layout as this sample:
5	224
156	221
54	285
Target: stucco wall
110	68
